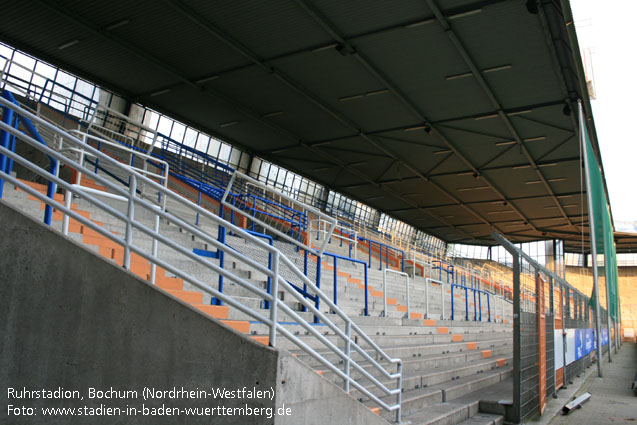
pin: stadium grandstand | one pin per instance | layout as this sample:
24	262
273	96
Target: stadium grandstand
301	212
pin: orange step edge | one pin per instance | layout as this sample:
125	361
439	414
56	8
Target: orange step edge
242	326
187	296
215	311
265	340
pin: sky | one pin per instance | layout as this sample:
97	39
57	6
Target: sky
608	28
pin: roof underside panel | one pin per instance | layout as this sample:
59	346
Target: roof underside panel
457	119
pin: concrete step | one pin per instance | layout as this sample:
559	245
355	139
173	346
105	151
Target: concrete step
421	401
431	378
483	419
462	410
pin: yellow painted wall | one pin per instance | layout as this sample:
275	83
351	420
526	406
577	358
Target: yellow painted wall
582	279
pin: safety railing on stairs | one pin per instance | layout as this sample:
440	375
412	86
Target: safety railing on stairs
241	183
352	338
8	141
477	302
403	274
443	266
391	254
335	258
428	281
341	233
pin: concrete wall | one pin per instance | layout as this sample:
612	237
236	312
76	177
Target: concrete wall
316	400
70	319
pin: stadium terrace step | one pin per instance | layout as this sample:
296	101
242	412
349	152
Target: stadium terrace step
415	401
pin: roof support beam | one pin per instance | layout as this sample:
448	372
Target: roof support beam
382	132
494	101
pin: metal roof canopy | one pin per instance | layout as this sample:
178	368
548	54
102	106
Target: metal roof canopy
457	117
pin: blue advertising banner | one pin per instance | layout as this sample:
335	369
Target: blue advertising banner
579	343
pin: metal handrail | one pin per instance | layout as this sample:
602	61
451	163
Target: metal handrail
336	257
442	297
286	213
307	208
340	232
385	271
380	252
165	167
134	201
475	305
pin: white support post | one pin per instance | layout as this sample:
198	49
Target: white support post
68	197
442	300
385	271
427	281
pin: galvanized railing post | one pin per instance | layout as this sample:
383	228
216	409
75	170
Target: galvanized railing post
452	309
348	333
442	300
399	396
385	293
407	285
68	196
427	298
366	292
132	186
274	307
153	266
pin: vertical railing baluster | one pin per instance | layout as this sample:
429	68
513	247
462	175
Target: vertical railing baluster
132	189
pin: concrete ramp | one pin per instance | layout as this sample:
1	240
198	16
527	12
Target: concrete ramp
75	325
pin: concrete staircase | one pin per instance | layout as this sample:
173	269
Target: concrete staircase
445	363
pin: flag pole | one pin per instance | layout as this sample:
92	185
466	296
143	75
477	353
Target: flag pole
591	221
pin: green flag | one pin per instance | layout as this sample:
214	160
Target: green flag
603	228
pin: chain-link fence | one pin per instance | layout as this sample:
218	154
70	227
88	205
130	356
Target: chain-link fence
553	331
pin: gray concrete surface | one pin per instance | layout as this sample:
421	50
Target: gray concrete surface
315	399
612	399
